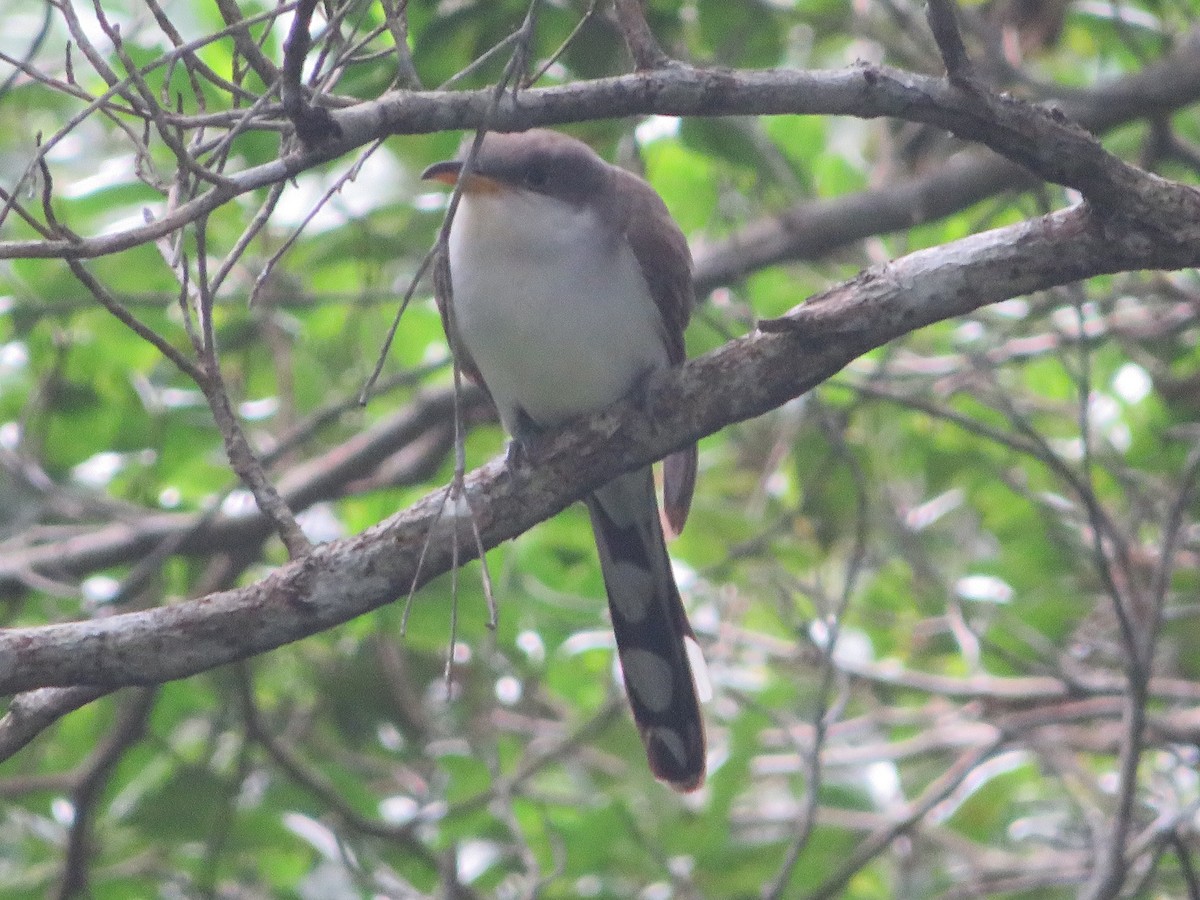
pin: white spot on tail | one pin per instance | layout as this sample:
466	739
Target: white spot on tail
672	742
630	590
700	679
648	676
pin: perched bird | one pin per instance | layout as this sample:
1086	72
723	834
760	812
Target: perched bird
570	283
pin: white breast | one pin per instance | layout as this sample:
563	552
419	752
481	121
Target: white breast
556	314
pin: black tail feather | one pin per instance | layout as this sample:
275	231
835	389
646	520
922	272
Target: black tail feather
650	626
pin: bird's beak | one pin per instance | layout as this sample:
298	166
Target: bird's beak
447	172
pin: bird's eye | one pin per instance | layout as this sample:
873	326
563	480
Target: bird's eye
536	178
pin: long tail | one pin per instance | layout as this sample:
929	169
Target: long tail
651	626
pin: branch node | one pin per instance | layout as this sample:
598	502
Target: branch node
942	16
314	124
643	46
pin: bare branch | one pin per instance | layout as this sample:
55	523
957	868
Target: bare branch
562	48
942	16
313	124
744	378
643	47
407	444
128	730
940	788
263	67
313	781
396	16
1032	137
31	713
24	63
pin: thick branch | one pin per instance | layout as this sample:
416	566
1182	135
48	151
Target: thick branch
404	444
744	378
1034	138
814	229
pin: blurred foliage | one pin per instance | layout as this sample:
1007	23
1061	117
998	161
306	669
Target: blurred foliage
926	499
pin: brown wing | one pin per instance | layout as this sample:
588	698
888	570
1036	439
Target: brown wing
441	295
666	263
663	254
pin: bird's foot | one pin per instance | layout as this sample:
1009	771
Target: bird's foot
517	456
640	396
525	433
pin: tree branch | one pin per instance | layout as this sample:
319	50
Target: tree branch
643	47
744	378
313	123
942	16
405	445
91	781
1035	138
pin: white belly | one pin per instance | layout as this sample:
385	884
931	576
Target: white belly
555	332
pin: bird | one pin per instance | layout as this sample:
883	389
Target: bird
570	283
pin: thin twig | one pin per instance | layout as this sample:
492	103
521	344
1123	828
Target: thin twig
167	134
313	123
381	360
562	48
250	51
395	14
249	233
643	46
119	88
826	712
26	61
132	716
347	176
942	16
314	781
